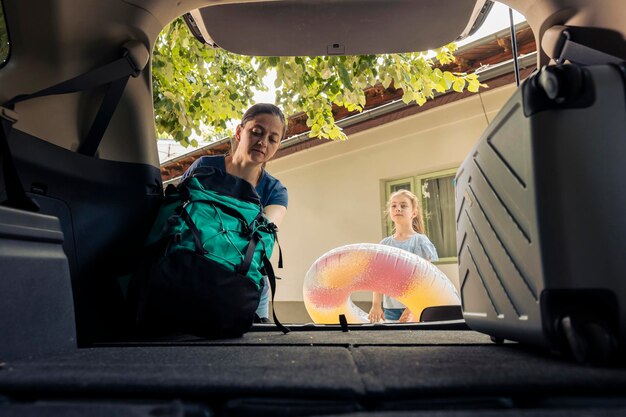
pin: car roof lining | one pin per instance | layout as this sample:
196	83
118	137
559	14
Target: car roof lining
540	14
337	27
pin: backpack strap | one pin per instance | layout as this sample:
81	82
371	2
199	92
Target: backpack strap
274	230
244	266
272	278
184	214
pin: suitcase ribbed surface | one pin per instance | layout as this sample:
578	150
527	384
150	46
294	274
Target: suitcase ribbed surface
497	241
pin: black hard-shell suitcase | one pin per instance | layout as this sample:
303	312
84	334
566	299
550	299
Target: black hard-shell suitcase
36	305
541	215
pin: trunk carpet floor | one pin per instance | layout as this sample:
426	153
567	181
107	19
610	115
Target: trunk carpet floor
307	371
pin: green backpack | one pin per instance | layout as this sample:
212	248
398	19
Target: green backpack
207	253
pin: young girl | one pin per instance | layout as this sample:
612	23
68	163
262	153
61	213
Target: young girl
405	212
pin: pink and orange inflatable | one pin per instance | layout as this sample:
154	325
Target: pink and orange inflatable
405	276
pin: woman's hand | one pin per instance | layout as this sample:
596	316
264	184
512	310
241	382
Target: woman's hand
376	314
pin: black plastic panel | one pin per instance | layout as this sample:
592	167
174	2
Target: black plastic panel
106	209
36	311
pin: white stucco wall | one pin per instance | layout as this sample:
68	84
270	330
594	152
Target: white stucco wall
336	190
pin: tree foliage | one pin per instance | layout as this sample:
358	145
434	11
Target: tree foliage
197	89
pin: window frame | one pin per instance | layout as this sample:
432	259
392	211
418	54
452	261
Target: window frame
416	182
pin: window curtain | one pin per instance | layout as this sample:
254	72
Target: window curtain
438	201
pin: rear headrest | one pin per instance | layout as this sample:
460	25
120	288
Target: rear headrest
581	45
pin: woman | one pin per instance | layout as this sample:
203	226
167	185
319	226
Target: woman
256	140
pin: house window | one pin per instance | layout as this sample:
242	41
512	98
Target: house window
4	37
436	192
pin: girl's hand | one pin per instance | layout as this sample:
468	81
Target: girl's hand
376	314
406	317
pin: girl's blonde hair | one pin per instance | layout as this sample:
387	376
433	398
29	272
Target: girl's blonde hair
418	220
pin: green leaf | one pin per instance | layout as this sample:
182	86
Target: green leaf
345	77
169	95
448	78
473	86
458	85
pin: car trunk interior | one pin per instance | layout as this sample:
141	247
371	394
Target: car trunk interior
106	204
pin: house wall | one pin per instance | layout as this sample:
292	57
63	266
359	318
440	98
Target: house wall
336	190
